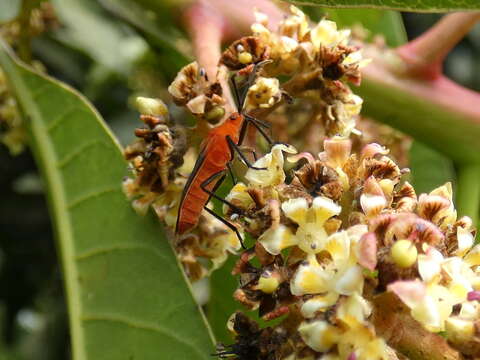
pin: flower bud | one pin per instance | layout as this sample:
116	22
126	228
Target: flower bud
245	57
214	115
404	253
268	283
150	106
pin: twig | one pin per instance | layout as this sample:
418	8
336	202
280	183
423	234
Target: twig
424	56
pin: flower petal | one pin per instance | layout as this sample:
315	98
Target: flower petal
324	209
319	335
310	278
273	161
318	303
274	240
296	210
350	281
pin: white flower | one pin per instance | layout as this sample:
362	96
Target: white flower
273	162
326	34
332	278
220	243
351	336
319	335
311	236
264	93
446	282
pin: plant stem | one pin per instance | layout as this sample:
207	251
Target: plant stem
468	191
440	113
424	55
24	50
206	27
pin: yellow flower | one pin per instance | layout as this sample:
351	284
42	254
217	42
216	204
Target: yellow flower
277	238
319	335
311	236
353	336
326	34
264	93
273	162
239	197
339	276
346	112
446	282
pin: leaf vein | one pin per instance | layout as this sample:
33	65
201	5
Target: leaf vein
120	247
59	119
79	150
37	92
91	195
142	325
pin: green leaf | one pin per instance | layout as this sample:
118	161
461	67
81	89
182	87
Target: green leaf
9	9
127	297
401	5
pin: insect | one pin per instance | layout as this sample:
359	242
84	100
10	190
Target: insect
217	151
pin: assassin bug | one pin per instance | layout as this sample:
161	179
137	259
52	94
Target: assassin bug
217	151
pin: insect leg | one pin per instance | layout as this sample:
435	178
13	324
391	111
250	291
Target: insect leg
246	148
230	170
204	185
263	123
234	148
235	92
258	126
227	223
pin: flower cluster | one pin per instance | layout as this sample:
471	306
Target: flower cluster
341	230
159	168
343	249
318	59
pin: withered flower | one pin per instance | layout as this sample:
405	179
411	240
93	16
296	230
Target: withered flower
245	51
200	95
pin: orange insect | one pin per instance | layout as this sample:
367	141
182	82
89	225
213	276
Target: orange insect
217	151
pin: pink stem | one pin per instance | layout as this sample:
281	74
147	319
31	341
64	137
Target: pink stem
424	55
206	27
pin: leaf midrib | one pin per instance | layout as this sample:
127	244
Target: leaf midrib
58	204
